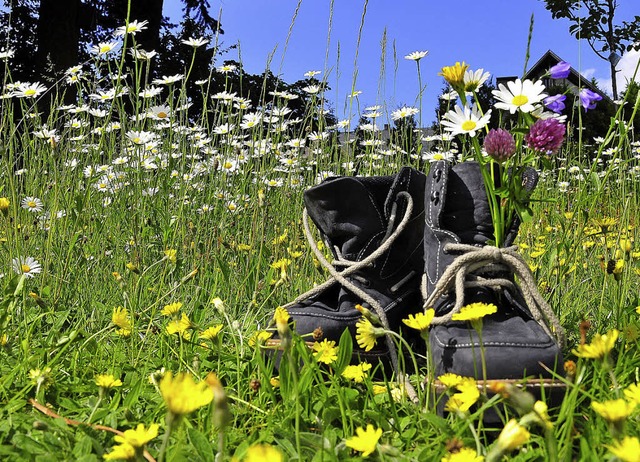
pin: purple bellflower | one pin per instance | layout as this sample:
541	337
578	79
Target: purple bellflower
555	103
588	99
560	70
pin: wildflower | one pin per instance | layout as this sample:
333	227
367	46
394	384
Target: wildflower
262	453
4	206
627	449
133	267
32	204
599	347
120	318
106	381
325	352
465	120
499	144
560	70
30	90
420	321
221	414
180	326
196	42
467	395
404	112
632	393
27	266
519	95
454	75
182	394
588	99
170	254
463	455
450	380
367	334
103	48
356	372
545	136
260	337
171	309
138	437
474	79
365	441
41	378
122	451
555	103
541	410
512	436
615	410
282	265
218	303
211	333
474	311
416	55
132	28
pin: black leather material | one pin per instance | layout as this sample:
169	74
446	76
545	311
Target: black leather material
352	214
515	345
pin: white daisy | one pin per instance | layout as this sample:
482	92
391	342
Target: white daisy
519	95
28	266
474	79
404	112
465	120
416	55
32	204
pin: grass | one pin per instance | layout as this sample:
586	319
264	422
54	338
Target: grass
142	213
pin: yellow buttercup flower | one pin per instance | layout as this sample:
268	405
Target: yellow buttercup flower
325	352
356	372
365	441
599	347
627	450
107	381
138	437
614	410
182	394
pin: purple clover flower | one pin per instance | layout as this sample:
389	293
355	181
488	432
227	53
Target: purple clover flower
499	144
545	136
588	99
560	70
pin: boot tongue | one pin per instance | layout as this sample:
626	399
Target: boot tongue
348	213
466	211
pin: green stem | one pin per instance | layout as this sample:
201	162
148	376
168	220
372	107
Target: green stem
171	419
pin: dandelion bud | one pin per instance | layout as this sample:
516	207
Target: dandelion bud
512	436
4	206
133	267
499	144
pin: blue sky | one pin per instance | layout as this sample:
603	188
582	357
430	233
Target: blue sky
488	34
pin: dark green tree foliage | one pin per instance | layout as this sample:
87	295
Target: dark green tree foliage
593	21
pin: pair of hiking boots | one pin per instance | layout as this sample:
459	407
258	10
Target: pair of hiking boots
410	241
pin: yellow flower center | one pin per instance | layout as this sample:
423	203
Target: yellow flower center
228	165
25	268
520	100
468	125
30	92
32	204
105	49
162	115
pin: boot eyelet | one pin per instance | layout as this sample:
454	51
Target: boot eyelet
435	197
437	174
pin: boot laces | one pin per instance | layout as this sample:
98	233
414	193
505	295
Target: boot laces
479	267
351	267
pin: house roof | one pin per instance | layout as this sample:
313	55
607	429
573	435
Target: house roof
542	66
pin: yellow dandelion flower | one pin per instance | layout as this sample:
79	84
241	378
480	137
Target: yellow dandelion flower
122	451
325	352
263	453
614	410
171	309
599	347
211	333
512	436
475	311
275	381
138	437
120	318
356	372
107	381
454	75
171	255
365	441
632	393
182	394
4	206
180	326
260	337
627	450
367	334
463	455
420	321
450	380
468	394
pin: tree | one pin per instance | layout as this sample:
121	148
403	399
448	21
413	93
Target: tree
605	38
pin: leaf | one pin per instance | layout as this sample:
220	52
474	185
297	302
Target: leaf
201	444
345	351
